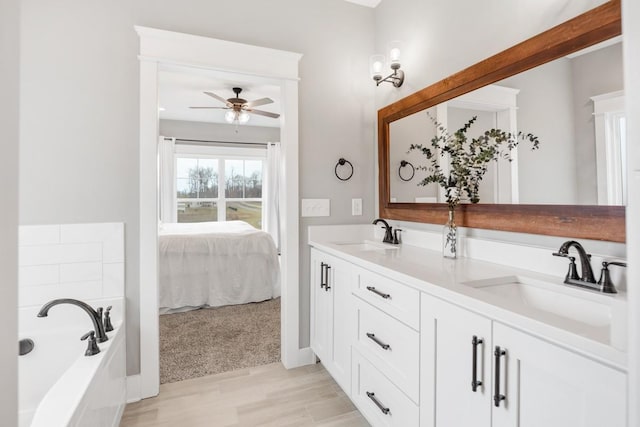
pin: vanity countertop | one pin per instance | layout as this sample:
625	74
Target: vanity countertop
448	279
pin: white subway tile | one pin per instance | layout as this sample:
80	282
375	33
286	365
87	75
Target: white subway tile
29	235
80	272
113	279
59	254
37	295
82	233
38	275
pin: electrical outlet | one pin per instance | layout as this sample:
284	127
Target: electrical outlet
356	207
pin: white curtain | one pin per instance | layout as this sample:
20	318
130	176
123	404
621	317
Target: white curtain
166	162
271	196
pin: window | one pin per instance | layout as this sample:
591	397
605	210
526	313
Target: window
219	189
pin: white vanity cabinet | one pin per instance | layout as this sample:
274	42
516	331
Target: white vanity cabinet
524	381
547	385
455	352
332	315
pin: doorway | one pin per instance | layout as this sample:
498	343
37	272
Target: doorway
163	48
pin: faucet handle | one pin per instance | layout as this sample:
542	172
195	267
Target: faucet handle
108	327
92	347
572	274
606	285
396	236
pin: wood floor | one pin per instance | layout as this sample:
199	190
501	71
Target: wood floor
268	395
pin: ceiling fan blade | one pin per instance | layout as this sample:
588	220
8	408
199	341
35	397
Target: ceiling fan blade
219	98
215	108
264	113
258	102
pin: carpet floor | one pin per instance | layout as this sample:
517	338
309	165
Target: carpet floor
214	340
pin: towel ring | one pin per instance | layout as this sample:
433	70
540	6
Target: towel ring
341	162
404	163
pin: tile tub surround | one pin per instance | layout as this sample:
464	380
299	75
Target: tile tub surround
425	269
82	261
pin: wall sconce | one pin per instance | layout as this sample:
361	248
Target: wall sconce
377	63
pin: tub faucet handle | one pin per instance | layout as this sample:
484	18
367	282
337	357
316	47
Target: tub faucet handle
108	327
92	347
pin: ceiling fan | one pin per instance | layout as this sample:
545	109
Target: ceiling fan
238	108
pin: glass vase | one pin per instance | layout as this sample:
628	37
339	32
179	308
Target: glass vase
450	236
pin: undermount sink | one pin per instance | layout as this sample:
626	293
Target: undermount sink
366	245
584	312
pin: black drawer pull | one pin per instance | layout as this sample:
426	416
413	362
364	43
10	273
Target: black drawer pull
377	292
497	397
324	276
474	363
372	396
377	341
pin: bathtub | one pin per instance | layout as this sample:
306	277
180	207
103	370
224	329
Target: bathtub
58	384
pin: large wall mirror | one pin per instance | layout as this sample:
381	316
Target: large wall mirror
565	86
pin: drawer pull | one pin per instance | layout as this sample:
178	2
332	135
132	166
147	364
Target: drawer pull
372	396
324	276
474	363
322	280
377	341
377	292
497	397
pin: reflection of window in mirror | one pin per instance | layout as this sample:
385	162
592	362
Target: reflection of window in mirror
611	147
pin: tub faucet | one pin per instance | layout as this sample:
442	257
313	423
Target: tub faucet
101	336
587	278
388	234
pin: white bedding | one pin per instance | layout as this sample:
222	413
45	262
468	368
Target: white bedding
215	264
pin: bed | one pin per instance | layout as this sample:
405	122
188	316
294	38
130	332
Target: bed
215	264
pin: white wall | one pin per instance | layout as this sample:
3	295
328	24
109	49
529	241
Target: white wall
218	132
631	31
9	116
79	149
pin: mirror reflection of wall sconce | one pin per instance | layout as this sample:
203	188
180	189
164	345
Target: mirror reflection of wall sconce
341	162
404	163
377	63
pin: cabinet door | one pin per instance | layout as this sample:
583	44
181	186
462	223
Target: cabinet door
449	360
321	308
547	385
344	322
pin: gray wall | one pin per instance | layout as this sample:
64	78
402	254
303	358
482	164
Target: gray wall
9	117
218	132
545	108
592	74
79	148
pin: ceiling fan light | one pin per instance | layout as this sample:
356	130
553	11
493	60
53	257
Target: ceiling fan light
230	116
243	117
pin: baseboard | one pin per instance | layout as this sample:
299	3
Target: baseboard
304	356
133	388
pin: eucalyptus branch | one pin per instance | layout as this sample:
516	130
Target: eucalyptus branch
469	158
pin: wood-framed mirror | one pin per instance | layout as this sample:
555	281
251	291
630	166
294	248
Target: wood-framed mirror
597	222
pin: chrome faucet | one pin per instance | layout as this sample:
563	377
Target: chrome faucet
96	318
388	234
586	279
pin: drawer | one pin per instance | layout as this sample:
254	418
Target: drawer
395	299
392	346
393	408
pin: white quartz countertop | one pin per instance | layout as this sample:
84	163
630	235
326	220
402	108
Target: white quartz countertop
428	271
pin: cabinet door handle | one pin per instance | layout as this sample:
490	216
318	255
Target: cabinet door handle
377	292
377	341
322	264
474	363
326	277
382	408
497	397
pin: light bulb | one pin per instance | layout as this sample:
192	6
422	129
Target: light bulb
230	116
243	117
376	64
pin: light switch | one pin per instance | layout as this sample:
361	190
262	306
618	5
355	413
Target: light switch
316	207
356	207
